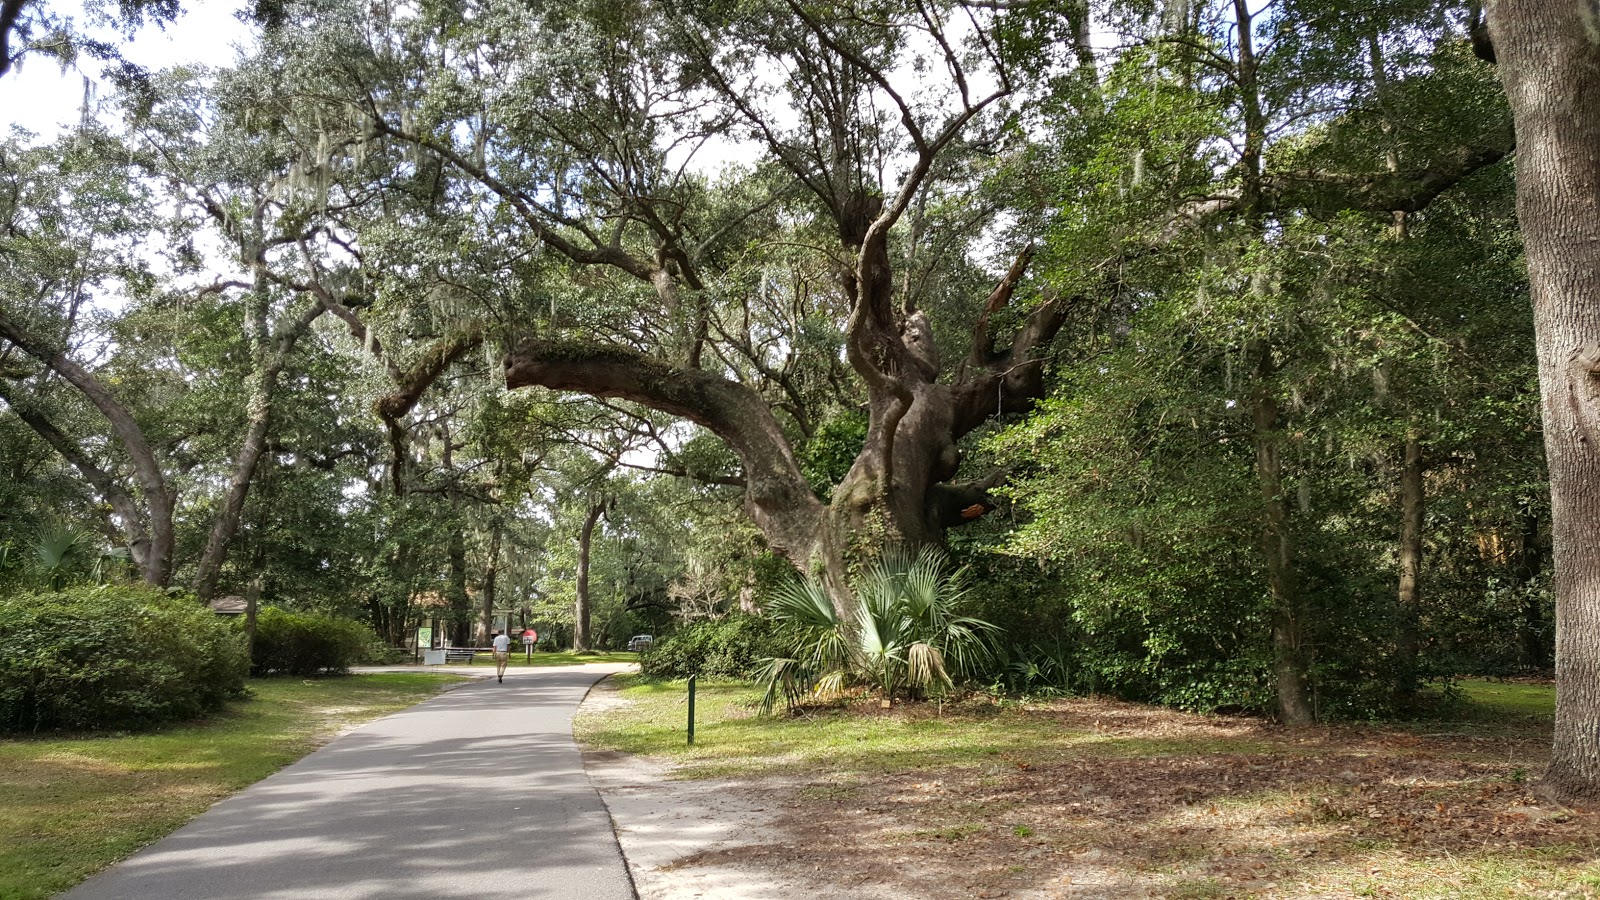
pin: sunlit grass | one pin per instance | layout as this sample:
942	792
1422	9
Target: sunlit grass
73	805
1495	698
730	738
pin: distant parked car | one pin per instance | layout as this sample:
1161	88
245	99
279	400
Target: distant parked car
640	642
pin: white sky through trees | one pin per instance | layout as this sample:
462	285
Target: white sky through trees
44	99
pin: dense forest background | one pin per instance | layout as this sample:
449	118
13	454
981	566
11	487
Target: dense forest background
1200	331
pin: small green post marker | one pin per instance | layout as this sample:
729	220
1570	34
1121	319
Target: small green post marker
691	710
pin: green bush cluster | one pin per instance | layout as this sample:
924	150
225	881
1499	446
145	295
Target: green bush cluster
730	647
113	657
305	643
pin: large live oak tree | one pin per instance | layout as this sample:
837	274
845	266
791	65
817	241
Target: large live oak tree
572	127
566	138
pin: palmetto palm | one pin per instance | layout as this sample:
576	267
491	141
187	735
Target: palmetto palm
906	634
59	555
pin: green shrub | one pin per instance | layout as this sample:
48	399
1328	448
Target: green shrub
118	657
298	643
730	647
908	633
376	653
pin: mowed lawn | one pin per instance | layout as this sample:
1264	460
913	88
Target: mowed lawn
69	806
989	798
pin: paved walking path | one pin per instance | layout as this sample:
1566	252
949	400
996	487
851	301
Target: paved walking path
479	793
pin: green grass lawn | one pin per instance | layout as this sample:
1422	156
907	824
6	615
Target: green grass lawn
730	739
519	659
1180	805
1496	699
73	805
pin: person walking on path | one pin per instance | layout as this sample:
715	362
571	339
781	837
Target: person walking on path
502	655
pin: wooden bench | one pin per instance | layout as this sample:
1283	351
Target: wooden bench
464	654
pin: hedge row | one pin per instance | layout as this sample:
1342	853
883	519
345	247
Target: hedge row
730	647
294	643
113	657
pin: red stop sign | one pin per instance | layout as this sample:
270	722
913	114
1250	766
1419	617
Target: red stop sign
530	636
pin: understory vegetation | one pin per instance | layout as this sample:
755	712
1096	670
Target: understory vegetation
113	657
290	643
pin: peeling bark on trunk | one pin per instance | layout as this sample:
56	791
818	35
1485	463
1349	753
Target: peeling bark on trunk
582	609
1549	59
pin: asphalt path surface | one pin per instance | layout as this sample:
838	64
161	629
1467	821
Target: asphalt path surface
479	793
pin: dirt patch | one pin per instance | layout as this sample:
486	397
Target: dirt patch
1166	805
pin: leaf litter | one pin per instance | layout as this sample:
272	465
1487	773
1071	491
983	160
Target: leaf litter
1120	800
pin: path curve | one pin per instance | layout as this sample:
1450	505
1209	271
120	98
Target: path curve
479	793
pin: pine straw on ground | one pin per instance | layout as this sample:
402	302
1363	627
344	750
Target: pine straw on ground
1146	802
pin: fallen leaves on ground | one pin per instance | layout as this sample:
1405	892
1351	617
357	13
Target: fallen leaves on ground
1164	804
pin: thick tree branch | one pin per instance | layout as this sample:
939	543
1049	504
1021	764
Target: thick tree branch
1328	193
147	469
410	385
776	493
125	507
413	382
982	341
1013	381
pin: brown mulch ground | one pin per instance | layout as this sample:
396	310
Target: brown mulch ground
1175	805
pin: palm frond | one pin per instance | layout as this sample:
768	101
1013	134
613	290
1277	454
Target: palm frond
781	677
925	667
802	602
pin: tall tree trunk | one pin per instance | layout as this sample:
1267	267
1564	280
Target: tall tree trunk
252	600
1412	513
269	363
490	576
1549	60
1289	665
1277	544
460	601
583	609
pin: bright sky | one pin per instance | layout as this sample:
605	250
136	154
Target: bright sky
44	100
